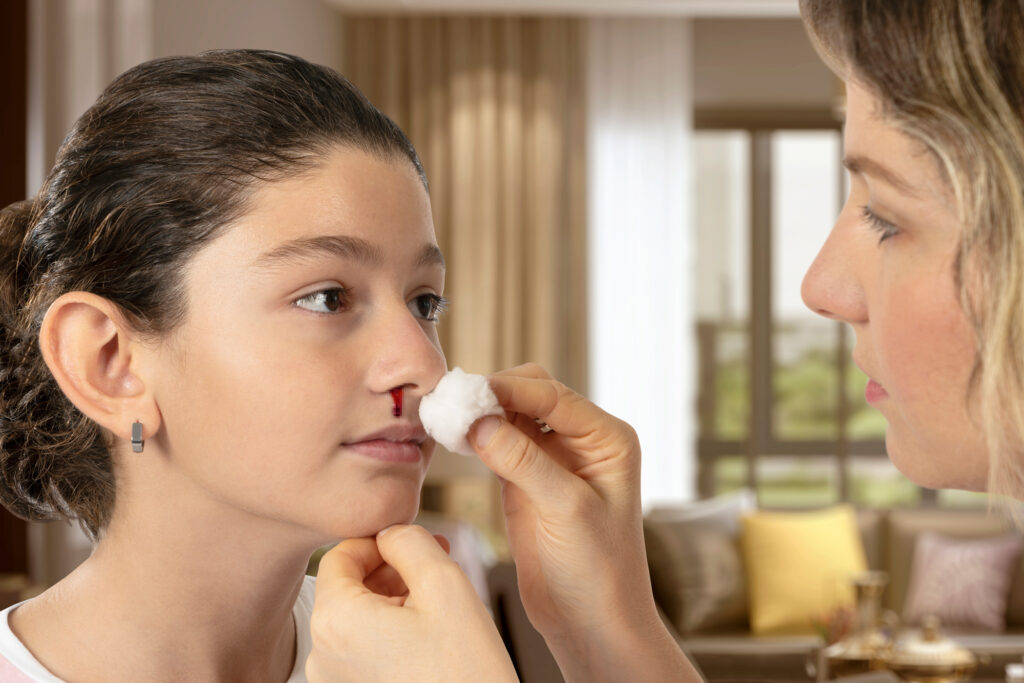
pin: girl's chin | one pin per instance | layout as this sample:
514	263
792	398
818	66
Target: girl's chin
368	525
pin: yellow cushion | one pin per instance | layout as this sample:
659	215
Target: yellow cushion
799	566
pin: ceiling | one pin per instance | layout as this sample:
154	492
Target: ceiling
678	8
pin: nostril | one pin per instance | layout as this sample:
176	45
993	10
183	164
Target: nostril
396	397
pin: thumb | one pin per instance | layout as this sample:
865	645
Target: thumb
517	458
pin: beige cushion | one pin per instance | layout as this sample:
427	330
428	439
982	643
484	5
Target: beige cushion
965	583
697	574
696	568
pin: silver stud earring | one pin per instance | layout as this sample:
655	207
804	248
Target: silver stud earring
137	441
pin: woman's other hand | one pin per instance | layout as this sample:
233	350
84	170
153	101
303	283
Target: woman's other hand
572	505
397	608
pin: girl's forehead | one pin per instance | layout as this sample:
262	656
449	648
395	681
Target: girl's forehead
351	192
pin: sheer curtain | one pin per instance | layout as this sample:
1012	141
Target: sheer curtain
579	260
494	107
639	118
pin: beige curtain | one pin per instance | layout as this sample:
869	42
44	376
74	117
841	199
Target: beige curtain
494	107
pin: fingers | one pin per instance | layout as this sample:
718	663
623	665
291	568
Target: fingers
386	581
420	560
531	370
562	409
514	456
444	543
381	578
347	565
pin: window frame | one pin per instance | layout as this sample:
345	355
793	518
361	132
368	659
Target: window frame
761	442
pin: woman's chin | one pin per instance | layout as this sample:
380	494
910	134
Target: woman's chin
931	469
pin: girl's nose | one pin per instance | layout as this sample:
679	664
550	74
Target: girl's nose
406	356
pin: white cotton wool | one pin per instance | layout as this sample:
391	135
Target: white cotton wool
458	400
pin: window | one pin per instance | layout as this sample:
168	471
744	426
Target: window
781	406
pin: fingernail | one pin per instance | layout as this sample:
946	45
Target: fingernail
485	429
385	530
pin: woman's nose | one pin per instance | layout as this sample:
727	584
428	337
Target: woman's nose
406	354
833	286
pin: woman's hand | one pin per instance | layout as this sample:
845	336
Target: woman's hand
572	505
397	608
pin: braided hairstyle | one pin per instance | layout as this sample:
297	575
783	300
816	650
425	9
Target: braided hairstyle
167	156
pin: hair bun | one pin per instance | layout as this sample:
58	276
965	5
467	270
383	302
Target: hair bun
15	221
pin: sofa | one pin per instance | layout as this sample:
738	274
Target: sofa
724	646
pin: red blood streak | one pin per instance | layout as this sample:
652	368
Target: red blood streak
396	396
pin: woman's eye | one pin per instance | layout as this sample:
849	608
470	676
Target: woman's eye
330	300
429	306
884	227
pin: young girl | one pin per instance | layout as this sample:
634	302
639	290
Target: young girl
209	317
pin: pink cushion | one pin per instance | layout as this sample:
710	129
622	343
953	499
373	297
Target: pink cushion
965	583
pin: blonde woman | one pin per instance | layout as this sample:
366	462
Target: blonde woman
925	263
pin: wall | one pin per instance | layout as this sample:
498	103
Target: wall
743	63
308	28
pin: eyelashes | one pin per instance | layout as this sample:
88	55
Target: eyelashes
335	300
326	301
429	307
884	228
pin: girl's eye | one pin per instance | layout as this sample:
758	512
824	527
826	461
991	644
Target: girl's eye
884	227
429	306
332	300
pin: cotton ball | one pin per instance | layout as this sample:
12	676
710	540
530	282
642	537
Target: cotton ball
458	400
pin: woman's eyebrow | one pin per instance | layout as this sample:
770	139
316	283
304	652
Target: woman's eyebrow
867	166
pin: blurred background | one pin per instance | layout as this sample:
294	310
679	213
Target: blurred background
627	192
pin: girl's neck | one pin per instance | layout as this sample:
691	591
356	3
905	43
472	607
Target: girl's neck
188	590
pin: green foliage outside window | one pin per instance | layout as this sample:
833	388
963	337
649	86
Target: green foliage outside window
805	400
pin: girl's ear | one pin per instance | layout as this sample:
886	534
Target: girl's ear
95	356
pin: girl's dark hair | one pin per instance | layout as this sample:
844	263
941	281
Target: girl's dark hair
165	158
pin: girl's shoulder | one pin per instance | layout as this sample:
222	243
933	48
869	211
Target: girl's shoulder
17	665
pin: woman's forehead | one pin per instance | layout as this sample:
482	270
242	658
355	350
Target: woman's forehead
877	149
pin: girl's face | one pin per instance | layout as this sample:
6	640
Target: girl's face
302	317
887	269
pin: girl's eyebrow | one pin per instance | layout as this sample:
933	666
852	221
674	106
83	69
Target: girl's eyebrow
430	256
305	248
345	246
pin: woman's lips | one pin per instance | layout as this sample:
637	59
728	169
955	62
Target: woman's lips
874	392
388	451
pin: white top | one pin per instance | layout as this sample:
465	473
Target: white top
17	665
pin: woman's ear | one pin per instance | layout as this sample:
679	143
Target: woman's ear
96	357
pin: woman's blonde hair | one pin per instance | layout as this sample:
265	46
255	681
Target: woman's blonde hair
950	74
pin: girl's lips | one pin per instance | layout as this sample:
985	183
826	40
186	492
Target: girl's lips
388	451
874	392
